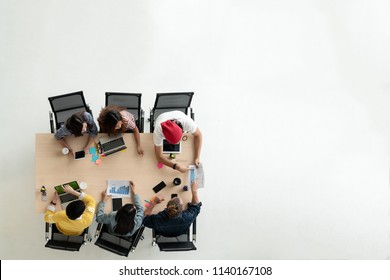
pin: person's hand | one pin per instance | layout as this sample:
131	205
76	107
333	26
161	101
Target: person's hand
140	151
194	186
197	162
158	199
182	169
69	190
55	197
132	187
105	196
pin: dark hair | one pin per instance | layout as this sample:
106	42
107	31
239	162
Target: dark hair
125	219
75	123
174	207
109	117
75	209
178	123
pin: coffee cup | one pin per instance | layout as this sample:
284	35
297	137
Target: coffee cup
83	185
176	181
65	151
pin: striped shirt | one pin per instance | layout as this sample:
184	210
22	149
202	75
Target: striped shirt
128	120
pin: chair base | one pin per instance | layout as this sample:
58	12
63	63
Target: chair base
63	245
176	246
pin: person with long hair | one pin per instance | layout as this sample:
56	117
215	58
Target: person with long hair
127	220
78	124
115	119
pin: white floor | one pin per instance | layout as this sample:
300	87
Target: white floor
292	98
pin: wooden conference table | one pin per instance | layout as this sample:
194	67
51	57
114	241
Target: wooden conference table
52	168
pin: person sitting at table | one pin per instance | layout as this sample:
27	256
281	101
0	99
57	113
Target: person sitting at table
114	119
173	221
78	124
170	126
127	220
77	216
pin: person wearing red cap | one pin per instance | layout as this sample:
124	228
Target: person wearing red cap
170	126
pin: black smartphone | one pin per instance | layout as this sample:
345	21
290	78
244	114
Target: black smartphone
159	187
79	155
173	195
116	203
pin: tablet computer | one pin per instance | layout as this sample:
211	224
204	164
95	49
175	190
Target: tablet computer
169	148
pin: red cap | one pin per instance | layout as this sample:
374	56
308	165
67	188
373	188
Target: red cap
171	131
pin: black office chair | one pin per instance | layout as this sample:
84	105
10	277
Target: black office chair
131	101
116	244
175	101
184	242
56	240
64	106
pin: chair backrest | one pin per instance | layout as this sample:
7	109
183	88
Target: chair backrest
183	242
131	101
64	106
174	101
117	244
60	241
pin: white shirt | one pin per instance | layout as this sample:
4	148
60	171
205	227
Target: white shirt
187	123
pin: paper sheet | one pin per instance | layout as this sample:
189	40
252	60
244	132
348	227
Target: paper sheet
196	173
118	188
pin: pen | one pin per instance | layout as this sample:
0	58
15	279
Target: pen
147	201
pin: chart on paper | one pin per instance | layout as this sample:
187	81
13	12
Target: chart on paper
118	188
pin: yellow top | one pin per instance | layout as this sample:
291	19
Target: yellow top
68	226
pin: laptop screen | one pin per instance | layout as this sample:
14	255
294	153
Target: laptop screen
109	145
73	184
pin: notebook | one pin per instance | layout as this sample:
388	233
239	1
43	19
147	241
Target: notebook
65	197
169	148
108	145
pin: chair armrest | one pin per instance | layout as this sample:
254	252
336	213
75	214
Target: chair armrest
137	238
194	230
51	122
47	231
142	121
151	120
154	239
98	229
87	237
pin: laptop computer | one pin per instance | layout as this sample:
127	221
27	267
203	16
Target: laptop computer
65	197
169	148
108	145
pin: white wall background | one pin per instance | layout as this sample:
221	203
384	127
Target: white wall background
292	98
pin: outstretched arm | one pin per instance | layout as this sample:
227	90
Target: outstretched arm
194	191
149	209
167	162
138	141
197	146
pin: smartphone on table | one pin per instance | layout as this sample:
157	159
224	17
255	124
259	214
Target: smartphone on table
116	203
79	155
159	187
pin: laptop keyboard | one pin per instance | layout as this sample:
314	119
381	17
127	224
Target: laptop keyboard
67	197
113	144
